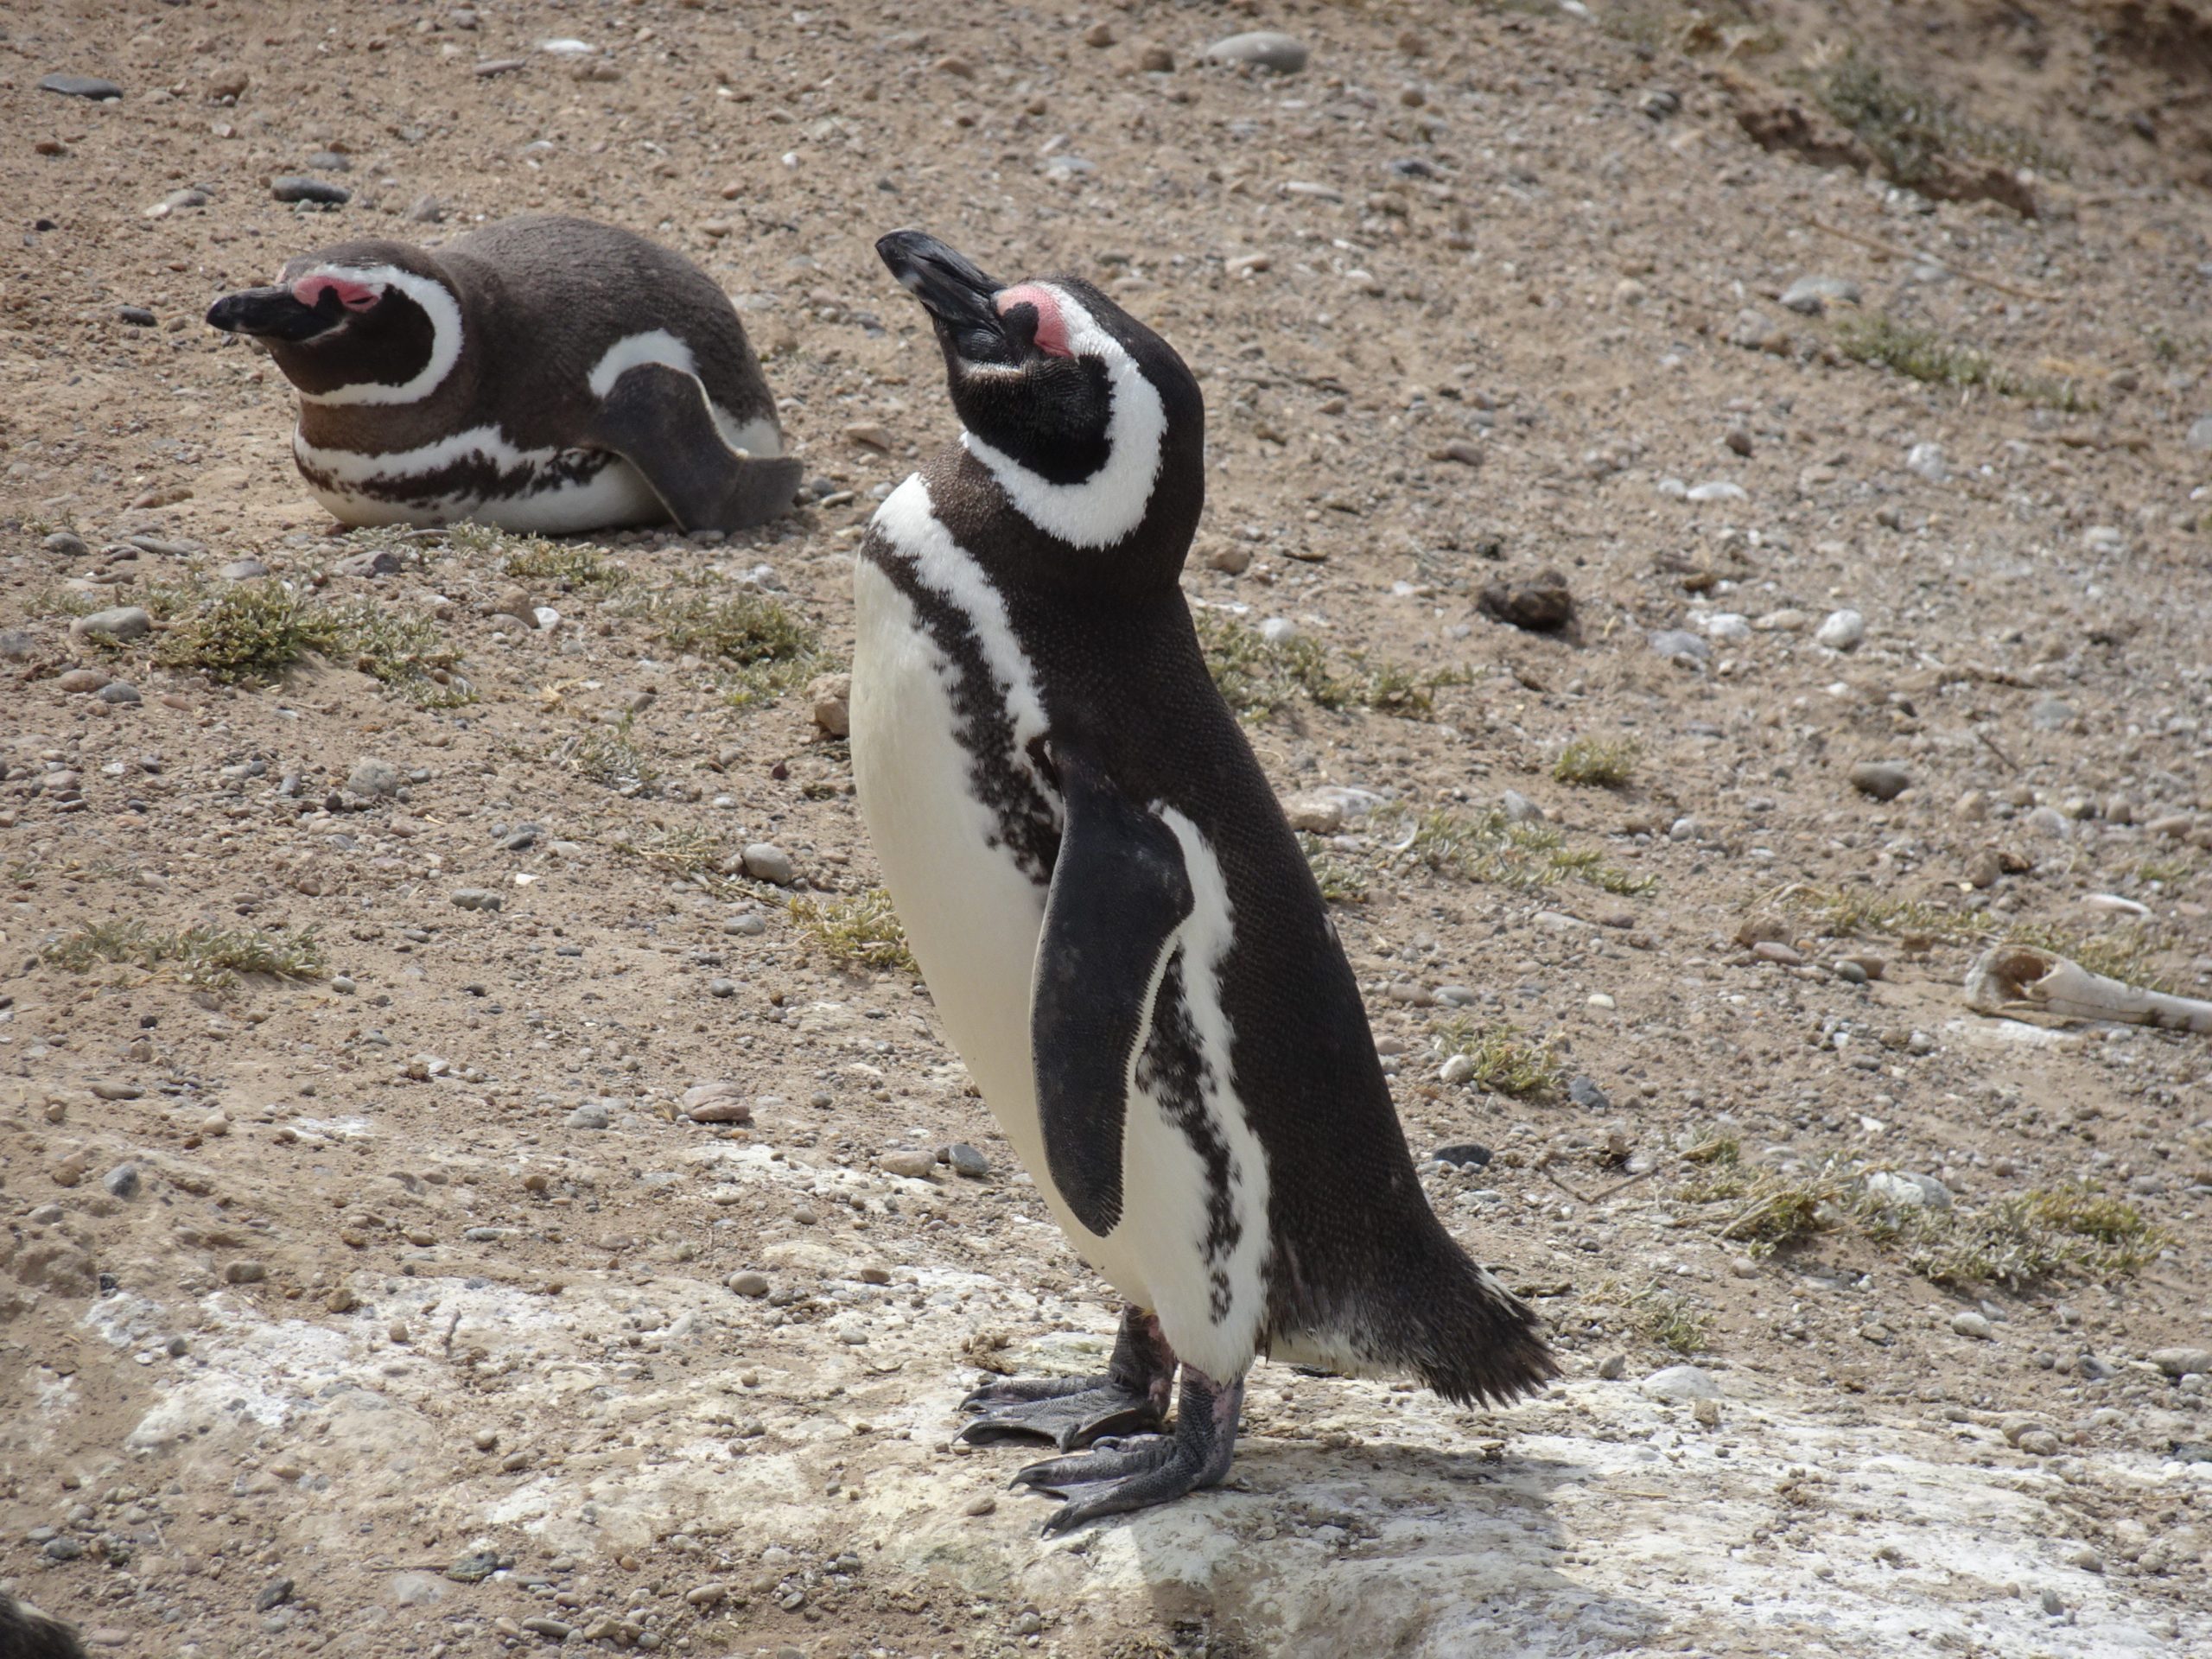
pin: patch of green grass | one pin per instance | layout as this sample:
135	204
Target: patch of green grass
209	957
1491	847
863	930
610	757
251	633
162	601
1596	762
1909	129
1506	1062
1922	354
1256	675
2166	872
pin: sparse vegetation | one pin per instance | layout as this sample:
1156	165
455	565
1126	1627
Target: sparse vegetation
1854	912
1665	1317
1596	762
2122	954
2014	1241
1340	879
1506	1062
1491	847
533	558
1921	353
251	633
766	646
1256	675
610	757
1909	130
686	853
863	930
211	958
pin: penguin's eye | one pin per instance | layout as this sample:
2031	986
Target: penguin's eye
354	296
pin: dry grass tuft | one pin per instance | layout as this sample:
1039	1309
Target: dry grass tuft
249	634
863	931
1596	762
1256	675
212	958
1506	1062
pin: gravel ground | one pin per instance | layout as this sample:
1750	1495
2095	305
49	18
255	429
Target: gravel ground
476	1171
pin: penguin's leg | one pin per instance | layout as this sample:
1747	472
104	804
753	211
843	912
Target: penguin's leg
1117	1476
657	419
1073	1411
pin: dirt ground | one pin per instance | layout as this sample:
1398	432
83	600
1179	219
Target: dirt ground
525	1267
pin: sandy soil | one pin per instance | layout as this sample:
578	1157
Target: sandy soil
389	1349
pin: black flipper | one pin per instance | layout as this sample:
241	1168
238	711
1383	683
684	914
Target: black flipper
1119	892
657	419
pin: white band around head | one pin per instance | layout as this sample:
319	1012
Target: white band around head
438	304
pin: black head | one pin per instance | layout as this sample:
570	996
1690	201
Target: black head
362	323
1090	423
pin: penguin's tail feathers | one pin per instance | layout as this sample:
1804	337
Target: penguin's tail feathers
25	1634
1467	1337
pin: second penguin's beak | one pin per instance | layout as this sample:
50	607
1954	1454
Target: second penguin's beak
961	300
270	314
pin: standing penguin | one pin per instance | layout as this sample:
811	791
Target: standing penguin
1120	931
544	373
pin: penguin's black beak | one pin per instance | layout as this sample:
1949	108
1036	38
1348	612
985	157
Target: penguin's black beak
271	313
958	296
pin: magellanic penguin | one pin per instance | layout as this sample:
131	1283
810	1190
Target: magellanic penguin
544	373
1122	938
25	1633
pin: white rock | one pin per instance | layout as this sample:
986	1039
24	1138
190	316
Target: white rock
1724	626
1843	631
1267	48
1971	1324
1927	460
1718	489
1680	1384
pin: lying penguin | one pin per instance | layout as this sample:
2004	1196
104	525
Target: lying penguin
541	374
1116	922
26	1633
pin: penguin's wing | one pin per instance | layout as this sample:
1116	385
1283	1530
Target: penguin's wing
1120	894
656	418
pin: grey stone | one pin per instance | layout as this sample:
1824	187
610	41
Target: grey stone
1927	460
1584	1091
1842	630
478	899
1885	781
1267	48
2049	714
136	315
1972	1324
1456	1071
765	862
1519	809
243	570
366	566
722	987
592	1114
274	1593
2180	1362
1455	996
372	777
748	1284
1811	296
80	86
426	210
1613	1367
966	1161
1902	1191
66	544
294	188
18	644
1678	1385
63	1548
120	691
2200	433
122	1180
1680	644
475	1566
124	622
750	924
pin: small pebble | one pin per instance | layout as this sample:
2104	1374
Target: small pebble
966	1161
294	188
1971	1324
1842	630
1885	781
765	862
1265	48
122	1180
592	1114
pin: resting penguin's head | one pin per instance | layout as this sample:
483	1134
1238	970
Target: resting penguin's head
1088	421
362	323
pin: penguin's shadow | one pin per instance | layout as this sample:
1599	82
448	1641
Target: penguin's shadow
1319	1552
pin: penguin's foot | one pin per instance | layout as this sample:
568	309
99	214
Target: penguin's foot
1069	1411
1115	1476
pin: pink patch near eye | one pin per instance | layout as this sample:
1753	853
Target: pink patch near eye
1051	326
354	296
